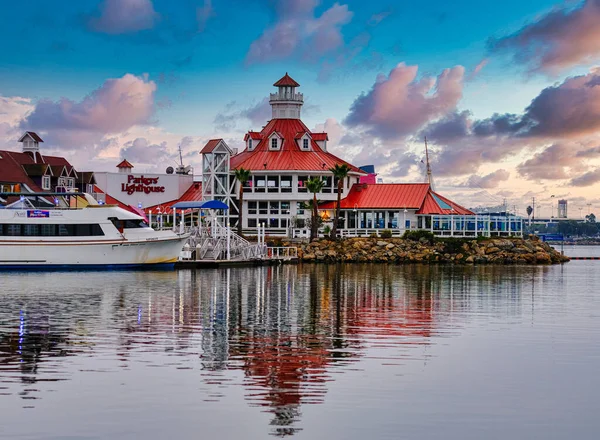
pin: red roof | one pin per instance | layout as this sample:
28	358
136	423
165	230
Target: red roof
320	136
286	81
125	164
210	146
398	196
289	156
193	194
109	200
12	167
33	135
253	135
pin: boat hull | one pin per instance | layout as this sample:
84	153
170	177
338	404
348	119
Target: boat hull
90	254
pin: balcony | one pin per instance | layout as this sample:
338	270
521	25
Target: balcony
296	97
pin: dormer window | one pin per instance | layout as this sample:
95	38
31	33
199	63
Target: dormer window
305	144
46	183
250	144
274	143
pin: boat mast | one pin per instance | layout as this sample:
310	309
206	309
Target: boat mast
429	175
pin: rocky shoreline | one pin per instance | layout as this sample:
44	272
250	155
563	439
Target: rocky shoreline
455	251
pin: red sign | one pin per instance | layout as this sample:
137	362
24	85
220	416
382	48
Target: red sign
142	184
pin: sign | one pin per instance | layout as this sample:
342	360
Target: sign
552	237
38	214
141	184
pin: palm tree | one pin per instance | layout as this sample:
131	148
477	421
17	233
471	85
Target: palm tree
340	172
242	175
314	185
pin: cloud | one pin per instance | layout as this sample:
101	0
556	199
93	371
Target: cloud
298	31
203	14
379	17
12	110
478	68
229	119
587	179
115	106
569	109
401	103
124	16
143	151
552	163
492	180
563	38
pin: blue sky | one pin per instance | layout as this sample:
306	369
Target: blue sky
209	61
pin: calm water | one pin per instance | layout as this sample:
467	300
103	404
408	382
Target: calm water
313	352
578	250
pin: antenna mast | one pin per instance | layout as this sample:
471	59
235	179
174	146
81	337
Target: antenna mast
180	157
429	175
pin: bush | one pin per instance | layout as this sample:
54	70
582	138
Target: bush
386	233
418	235
327	230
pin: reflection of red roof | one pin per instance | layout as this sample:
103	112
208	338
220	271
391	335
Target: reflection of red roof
398	196
289	156
286	81
210	146
193	194
125	164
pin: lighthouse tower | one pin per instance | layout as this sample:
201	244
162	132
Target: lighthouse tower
286	103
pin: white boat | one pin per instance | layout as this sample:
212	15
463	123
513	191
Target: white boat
95	236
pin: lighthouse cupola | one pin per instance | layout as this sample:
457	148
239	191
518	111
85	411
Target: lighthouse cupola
286	103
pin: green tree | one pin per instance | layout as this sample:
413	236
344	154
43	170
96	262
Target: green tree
314	185
590	218
340	172
242	175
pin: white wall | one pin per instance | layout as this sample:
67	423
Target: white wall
151	192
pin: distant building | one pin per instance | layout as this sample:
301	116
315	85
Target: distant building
562	208
371	176
30	171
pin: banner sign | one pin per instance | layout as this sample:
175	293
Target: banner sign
141	184
38	214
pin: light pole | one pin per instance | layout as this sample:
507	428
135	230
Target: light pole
589	205
580	214
551	206
355	219
405	211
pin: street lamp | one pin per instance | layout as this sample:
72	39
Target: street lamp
551	206
356	219
404	225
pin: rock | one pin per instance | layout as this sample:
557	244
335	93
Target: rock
382	243
390	246
470	259
491	250
543	257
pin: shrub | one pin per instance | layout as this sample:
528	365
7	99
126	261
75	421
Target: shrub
386	233
327	230
418	235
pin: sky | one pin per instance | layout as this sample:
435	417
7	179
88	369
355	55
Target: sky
507	92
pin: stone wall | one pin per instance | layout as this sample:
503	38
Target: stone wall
398	250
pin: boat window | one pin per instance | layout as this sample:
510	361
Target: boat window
51	230
128	224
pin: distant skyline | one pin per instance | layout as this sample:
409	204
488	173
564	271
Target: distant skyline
507	92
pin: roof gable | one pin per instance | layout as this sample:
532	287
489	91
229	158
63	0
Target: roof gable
124	164
213	144
32	135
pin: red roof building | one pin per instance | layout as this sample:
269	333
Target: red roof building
124	164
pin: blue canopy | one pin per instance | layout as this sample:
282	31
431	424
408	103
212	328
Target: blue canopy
209	204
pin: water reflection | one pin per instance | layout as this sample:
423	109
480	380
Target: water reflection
288	329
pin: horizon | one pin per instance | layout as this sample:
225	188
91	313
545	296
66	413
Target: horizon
506	93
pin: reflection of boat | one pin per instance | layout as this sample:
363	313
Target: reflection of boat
92	236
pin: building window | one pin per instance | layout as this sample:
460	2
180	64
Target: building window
62	181
273	208
286	184
273	183
46	182
284	222
302	183
71	182
249	144
252	223
259	183
274	223
300	208
252	208
263	208
285	208
90	188
274	143
305	144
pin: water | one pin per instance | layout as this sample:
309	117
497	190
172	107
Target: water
313	352
579	250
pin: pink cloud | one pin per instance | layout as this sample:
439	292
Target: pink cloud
203	14
563	38
587	179
556	162
299	32
492	180
115	106
124	16
401	103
